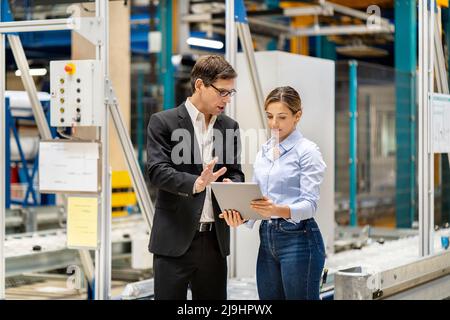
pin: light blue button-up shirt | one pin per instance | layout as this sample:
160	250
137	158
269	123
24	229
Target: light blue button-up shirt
294	178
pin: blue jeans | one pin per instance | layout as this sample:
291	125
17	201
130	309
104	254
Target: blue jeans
291	258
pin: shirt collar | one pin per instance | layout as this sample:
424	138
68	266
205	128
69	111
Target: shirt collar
194	113
287	144
192	110
290	141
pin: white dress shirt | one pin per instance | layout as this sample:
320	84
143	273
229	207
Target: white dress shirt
204	136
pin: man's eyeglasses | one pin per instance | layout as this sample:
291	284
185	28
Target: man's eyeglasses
224	93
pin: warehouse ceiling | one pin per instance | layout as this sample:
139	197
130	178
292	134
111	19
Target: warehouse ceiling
273	22
265	22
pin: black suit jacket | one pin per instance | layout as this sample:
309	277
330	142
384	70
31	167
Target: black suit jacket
177	209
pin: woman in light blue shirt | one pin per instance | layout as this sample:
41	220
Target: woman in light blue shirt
289	170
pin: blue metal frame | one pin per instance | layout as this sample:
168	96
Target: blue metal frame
353	104
7	181
139	34
325	48
45	39
5	11
318	46
167	72
25	171
5	15
24	174
405	65
240	13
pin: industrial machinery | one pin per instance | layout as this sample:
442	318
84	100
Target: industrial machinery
390	269
75	87
82	95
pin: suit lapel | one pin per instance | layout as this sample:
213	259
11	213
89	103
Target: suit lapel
186	123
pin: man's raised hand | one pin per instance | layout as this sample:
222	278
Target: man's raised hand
207	176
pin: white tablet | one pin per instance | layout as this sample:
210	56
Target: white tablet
237	196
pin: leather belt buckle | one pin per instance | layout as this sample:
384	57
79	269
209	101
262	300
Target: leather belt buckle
205	226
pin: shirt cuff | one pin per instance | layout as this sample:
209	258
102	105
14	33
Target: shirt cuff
249	224
301	211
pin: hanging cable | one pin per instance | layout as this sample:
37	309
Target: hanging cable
67	136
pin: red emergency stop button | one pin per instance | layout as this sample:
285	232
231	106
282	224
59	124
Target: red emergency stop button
69	68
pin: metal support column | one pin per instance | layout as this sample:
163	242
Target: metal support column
103	254
137	177
247	46
5	15
405	80
140	131
145	203
328	48
353	124
230	46
7	138
318	46
425	156
30	87
166	54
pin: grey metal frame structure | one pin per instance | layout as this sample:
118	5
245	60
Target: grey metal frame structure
411	281
103	254
426	18
43	127
95	30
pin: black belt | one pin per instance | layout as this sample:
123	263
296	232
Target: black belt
205	226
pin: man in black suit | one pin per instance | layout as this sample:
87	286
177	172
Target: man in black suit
189	147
